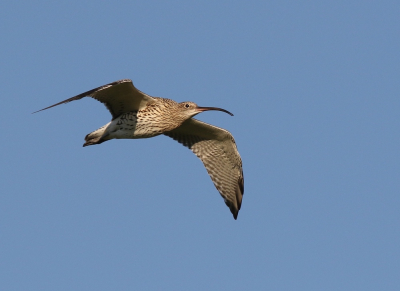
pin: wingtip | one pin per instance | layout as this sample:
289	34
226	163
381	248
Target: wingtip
37	111
235	213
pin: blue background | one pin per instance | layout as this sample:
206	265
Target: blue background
314	86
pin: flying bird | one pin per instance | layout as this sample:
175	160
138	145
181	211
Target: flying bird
138	115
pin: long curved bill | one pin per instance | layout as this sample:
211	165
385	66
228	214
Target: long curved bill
202	109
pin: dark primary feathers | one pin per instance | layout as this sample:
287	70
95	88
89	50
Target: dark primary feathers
119	97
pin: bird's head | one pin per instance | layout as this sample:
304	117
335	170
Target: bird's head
189	109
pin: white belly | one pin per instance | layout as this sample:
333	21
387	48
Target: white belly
130	126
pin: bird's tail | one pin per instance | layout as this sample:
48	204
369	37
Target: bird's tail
95	137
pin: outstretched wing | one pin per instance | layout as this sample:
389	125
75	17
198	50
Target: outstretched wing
119	97
216	148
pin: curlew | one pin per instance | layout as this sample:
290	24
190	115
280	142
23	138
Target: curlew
138	115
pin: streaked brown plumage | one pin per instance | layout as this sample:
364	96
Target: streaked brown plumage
138	115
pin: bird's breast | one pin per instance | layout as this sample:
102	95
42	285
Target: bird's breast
157	118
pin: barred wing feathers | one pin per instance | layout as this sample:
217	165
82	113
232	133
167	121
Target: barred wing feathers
216	148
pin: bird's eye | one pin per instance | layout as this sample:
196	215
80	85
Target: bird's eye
187	105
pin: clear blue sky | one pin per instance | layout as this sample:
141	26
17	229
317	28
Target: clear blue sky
314	86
